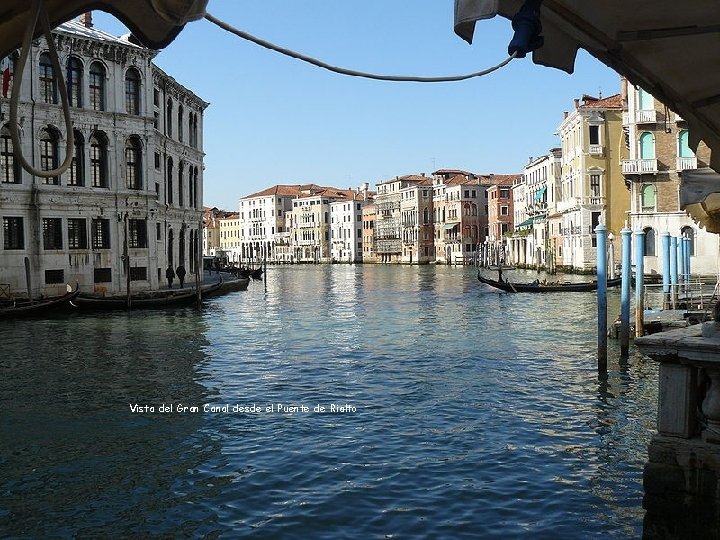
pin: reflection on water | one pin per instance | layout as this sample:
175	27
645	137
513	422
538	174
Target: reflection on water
467	413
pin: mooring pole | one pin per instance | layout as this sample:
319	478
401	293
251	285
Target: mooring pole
686	253
601	236
639	283
673	270
666	269
626	234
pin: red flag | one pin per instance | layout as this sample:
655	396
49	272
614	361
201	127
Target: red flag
6	74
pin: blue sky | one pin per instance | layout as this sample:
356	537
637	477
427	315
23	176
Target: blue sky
276	120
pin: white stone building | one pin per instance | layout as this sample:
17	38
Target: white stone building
130	204
346	241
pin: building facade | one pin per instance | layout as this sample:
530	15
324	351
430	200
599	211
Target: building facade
592	186
130	203
657	141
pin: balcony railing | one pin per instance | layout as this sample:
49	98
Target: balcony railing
639	166
646	117
594	200
684	163
596	149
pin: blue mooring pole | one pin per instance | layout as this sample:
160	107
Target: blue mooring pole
686	253
601	235
666	269
626	234
639	283
673	269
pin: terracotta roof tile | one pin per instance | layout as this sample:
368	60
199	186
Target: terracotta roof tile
611	102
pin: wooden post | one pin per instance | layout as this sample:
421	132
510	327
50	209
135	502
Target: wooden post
198	265
126	257
28	279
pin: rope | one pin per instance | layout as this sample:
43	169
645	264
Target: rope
350	72
38	12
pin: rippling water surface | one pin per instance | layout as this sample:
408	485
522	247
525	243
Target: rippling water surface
460	413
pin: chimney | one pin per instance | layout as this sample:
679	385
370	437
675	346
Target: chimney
577	102
565	115
86	19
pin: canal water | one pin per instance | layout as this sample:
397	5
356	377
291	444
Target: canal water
326	402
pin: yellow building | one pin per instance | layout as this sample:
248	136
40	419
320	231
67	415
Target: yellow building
592	184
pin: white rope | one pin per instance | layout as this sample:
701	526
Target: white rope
38	12
350	72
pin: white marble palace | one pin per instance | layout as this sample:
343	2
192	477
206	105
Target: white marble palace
130	204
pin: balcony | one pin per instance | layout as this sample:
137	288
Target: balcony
594	200
646	117
685	163
639	166
596	149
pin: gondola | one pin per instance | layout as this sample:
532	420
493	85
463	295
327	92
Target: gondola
145	300
539	287
27	308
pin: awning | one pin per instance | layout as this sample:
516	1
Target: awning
154	22
699	197
540	193
449	226
667	47
528	223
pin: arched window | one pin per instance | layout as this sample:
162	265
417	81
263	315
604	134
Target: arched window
647	196
98	160
647	145
74	81
133	164
49	153
132	91
683	146
649	241
48	86
181	187
645	101
689	233
9	170
97	86
180	123
197	189
169	118
169	194
77	166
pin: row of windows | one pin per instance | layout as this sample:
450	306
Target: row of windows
77	233
77	175
192	121
96	87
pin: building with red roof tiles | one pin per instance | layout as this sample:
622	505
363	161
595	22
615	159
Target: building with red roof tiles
459	216
500	213
592	185
399	235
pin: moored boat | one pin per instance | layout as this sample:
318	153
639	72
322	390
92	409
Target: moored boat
540	287
41	306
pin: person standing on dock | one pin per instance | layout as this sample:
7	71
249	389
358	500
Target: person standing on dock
170	275
180	272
